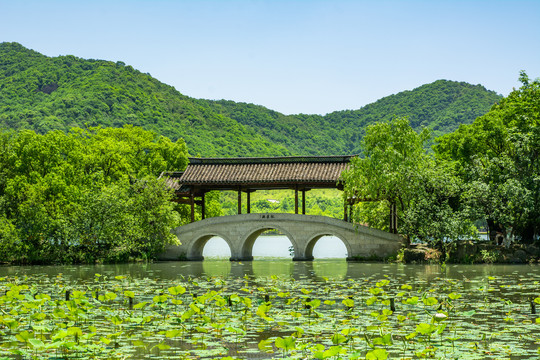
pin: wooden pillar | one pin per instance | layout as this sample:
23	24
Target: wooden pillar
203	207
192	203
350	212
248	202
345	211
239	201
303	201
393	218
296	200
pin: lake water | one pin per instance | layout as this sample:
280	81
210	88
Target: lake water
491	318
272	257
321	269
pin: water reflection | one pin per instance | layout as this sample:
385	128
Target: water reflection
334	269
220	268
266	268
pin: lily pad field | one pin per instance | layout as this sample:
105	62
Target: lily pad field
374	316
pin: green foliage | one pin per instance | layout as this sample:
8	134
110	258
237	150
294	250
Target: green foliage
85	196
44	94
39	324
498	159
324	202
397	170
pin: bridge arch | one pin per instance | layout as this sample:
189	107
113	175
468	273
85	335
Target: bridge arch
303	231
196	247
249	238
314	238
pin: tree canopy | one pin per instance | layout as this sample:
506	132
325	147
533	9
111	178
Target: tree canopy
398	173
498	159
487	171
42	94
86	195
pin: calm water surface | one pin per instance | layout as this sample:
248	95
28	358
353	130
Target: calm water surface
317	270
272	257
495	301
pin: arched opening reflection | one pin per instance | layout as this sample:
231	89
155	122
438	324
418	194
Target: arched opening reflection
329	247
267	268
217	267
216	249
272	244
334	269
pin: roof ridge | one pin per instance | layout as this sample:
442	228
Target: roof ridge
272	160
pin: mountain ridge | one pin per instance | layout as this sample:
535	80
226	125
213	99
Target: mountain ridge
56	93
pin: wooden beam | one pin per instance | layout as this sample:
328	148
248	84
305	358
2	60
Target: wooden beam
203	207
239	201
393	218
303	201
296	200
192	198
394	210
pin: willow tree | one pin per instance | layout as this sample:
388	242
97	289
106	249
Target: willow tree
397	174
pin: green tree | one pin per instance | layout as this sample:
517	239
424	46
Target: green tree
498	157
396	169
88	195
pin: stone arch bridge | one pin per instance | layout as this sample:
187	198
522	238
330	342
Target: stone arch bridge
241	231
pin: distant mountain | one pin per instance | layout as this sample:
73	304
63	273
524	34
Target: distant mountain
43	93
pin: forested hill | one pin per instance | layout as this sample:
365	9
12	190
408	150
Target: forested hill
43	93
442	106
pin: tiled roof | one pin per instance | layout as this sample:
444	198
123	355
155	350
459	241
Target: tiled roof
260	171
171	179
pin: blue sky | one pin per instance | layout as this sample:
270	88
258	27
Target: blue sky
297	56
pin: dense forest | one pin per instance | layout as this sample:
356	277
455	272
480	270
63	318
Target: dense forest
86	195
41	93
488	170
82	143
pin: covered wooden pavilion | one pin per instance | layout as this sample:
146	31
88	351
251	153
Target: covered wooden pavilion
246	175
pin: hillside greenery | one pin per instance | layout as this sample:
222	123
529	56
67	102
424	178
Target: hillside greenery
43	93
82	143
440	106
86	195
486	171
